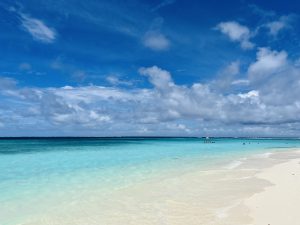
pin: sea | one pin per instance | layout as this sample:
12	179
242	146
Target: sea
43	175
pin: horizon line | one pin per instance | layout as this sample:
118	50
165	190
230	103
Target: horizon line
233	137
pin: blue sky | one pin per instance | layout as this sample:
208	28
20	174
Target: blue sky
168	67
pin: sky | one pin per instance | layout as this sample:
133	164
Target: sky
149	68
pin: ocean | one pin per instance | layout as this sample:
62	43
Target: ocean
40	176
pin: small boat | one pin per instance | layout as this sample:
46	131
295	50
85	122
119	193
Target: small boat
208	140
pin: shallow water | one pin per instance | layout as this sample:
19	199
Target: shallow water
39	177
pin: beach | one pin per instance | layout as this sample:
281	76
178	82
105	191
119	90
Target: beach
279	203
262	191
257	188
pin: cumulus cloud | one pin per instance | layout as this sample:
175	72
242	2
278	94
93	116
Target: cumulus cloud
278	81
237	33
226	77
38	29
161	79
267	63
249	95
167	108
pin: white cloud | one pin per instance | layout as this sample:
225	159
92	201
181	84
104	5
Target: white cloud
226	77
250	94
271	107
38	29
156	41
115	81
7	83
275	27
278	25
160	78
237	33
240	82
267	63
233	68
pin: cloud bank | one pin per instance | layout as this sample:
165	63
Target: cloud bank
166	108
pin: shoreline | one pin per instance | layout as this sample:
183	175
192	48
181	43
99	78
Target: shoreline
224	196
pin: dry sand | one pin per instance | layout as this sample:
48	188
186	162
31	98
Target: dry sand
278	204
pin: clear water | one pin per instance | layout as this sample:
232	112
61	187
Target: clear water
35	171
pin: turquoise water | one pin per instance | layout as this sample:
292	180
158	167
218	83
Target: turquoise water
35	171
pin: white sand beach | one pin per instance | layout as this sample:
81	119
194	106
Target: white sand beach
280	203
260	190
